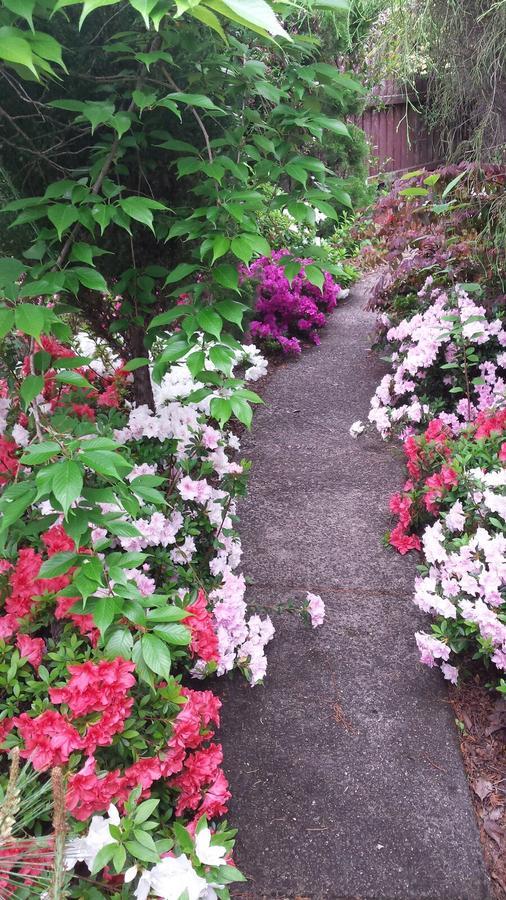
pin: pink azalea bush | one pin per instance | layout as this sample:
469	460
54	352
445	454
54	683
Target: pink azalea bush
119	577
446	400
289	309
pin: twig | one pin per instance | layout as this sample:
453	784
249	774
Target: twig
195	113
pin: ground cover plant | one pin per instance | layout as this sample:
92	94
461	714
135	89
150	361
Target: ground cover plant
119	473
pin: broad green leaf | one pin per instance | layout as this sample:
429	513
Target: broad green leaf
242	410
173	633
210	321
14	48
199	100
255	13
167	317
91	5
315	275
335	5
453	184
231	311
414	192
106	462
22	8
6	321
207	18
31	386
156	655
90	278
227	276
75	379
138	363
183	270
119	643
221	409
220	246
241	249
30	319
58	564
222	358
67	483
62	216
38	454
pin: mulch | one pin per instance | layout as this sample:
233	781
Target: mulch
481	719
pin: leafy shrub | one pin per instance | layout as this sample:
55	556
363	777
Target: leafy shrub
441	224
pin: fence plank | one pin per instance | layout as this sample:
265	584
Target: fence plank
397	133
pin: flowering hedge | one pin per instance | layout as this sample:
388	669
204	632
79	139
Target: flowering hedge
291	302
118	576
445	399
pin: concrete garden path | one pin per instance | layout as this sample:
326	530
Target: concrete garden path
345	769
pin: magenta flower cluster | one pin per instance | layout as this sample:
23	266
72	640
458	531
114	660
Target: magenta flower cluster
289	313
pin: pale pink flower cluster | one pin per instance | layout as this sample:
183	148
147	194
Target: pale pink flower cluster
316	609
467	576
239	642
418	343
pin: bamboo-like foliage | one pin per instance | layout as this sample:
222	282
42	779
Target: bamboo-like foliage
28	863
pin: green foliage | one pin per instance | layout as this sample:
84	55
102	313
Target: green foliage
151	188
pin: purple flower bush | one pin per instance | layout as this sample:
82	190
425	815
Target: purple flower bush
289	314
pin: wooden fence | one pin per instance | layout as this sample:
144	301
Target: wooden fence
397	133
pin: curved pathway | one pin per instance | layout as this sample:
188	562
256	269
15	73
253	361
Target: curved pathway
345	768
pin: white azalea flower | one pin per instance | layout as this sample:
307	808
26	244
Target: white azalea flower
209	855
357	428
85	849
170	878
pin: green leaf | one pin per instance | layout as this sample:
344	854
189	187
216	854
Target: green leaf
73	378
139	208
221	409
12	510
199	100
62	216
181	271
22	8
144	810
40	453
103	857
195	362
156	655
30	387
315	275
255	13
227	276
15	49
173	633
67	483
453	184
88	7
207	18
10	270
90	278
119	643
335	5
334	125
209	321
414	192
242	249
58	564
138	363
104	612
242	410
169	316
220	246
106	462
232	311
6	321
30	319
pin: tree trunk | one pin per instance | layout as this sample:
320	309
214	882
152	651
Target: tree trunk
143	390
